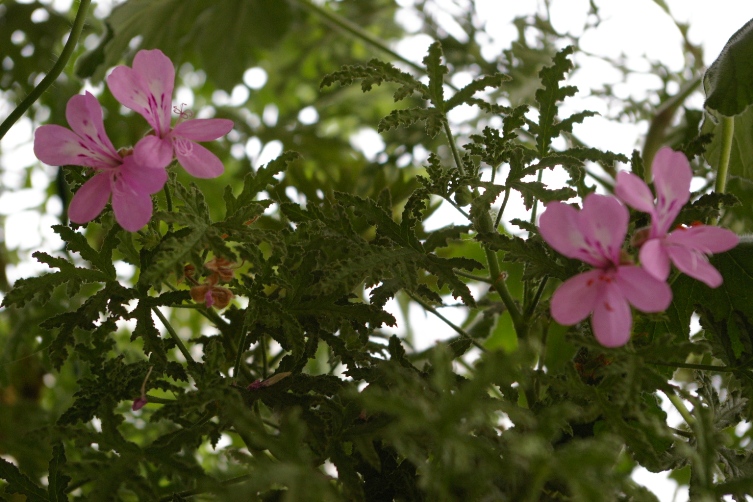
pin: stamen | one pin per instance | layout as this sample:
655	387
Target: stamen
182	114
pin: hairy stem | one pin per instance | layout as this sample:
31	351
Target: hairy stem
499	285
502	208
728	132
453	146
536	298
680	406
70	45
174	336
472	276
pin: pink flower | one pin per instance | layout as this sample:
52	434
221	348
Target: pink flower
147	89
595	235
129	183
686	247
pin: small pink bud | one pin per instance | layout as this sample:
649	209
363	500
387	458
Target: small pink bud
139	403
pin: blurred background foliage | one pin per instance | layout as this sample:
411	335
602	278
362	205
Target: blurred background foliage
260	63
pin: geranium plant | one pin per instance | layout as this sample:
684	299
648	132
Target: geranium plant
225	313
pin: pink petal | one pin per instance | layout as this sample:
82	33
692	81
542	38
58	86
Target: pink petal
559	227
57	146
84	115
654	259
152	151
130	90
612	320
576	297
141	180
90	199
672	177
603	223
158	74
196	159
203	129
644	291
695	264
704	238
132	209
634	192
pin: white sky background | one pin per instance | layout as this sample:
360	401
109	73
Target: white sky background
636	28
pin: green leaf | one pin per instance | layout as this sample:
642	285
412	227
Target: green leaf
78	243
20	483
57	481
176	247
439	238
535	190
154	346
436	71
374	73
405	237
532	252
240	29
724	310
729	80
25	290
548	127
255	182
405	118
464	95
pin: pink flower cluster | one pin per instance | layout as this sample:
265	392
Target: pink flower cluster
130	176
596	233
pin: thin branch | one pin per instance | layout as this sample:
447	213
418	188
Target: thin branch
472	276
174	336
457	329
499	285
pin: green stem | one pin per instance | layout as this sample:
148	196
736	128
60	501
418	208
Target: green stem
472	276
682	433
263	348
499	285
174	336
677	402
239	354
502	208
536	298
536	201
460	209
728	132
453	146
457	329
168	198
65	55
359	32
